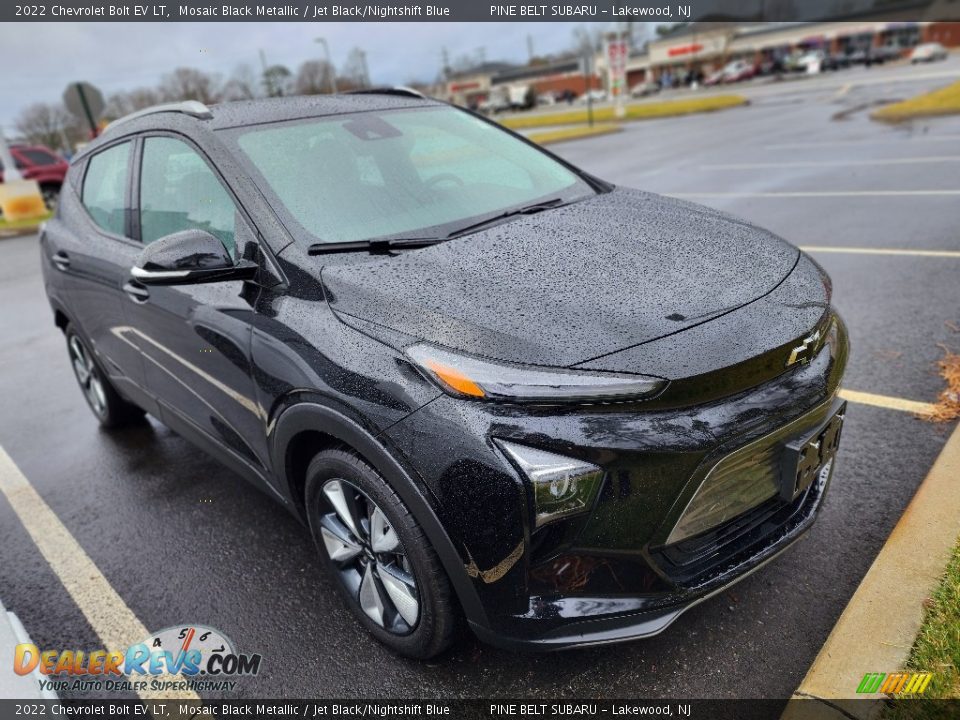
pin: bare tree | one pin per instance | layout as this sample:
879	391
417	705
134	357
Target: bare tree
588	39
354	73
242	85
190	84
45	124
277	80
125	102
313	78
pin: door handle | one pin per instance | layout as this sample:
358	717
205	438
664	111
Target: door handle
61	260
137	292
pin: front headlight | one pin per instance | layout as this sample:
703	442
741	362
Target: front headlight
562	486
470	377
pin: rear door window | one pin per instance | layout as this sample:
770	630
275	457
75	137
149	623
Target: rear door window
105	188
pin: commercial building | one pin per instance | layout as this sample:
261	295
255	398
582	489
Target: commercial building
702	47
708	46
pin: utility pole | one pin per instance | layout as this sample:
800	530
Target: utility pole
333	70
444	62
267	80
586	48
366	70
529	47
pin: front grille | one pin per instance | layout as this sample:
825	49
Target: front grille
738	509
695	561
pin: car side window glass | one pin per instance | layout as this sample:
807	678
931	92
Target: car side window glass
105	188
179	191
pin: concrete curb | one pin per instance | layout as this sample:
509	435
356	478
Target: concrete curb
876	630
18	232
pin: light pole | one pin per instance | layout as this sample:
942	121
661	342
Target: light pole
10	171
333	72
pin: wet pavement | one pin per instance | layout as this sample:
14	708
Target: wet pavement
183	540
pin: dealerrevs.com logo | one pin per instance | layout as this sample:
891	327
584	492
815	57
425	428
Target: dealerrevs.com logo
189	657
901	683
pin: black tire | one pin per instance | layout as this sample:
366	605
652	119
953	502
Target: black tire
111	410
438	614
51	196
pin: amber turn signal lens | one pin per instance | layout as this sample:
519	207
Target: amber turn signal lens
456	380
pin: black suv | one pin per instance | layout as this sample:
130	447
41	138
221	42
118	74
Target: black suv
493	386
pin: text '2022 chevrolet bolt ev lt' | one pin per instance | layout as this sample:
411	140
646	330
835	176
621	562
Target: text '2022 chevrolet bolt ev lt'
494	387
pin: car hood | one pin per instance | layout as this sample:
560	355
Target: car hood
571	284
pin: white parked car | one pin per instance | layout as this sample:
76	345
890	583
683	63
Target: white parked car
645	88
592	96
928	52
811	63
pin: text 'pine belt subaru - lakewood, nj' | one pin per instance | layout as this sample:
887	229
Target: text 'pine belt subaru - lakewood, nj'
493	386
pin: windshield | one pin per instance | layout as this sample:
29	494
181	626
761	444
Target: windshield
398	173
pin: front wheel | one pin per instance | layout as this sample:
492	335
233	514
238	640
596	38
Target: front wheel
110	409
382	563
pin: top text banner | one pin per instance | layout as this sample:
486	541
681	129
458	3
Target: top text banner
894	11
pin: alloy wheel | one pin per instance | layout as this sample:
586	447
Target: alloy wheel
370	559
88	376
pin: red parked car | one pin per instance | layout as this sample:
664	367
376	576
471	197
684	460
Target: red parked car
36	162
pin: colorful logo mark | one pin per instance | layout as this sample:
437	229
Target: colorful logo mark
902	683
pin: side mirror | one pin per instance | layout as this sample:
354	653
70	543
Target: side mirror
189	257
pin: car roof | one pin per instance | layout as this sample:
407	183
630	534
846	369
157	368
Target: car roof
25	146
255	112
179	116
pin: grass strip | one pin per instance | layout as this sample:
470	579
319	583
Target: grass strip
945	101
936	650
639	111
574	133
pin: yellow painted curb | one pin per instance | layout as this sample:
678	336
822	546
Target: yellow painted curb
877	629
555	136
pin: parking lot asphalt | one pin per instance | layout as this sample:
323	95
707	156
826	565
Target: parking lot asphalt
182	540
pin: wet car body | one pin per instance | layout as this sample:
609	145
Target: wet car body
311	354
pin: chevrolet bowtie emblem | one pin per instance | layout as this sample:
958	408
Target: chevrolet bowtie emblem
802	353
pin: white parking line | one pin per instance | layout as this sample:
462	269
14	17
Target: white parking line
882	251
833	163
102	606
818	194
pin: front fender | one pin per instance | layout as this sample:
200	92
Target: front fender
313	417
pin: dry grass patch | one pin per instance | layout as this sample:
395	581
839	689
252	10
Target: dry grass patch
947	407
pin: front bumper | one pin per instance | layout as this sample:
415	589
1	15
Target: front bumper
753	539
615	574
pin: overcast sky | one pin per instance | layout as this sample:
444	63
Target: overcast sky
40	59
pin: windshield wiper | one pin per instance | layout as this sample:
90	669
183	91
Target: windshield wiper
383	245
525	210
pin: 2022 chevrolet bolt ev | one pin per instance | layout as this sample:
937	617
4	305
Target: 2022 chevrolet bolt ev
494	387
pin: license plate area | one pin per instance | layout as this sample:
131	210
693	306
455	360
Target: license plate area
804	458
